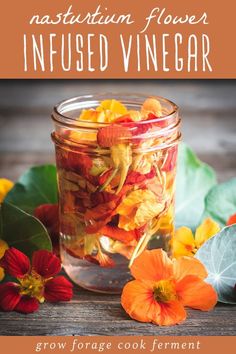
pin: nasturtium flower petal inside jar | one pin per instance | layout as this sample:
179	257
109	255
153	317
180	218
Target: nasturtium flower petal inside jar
116	163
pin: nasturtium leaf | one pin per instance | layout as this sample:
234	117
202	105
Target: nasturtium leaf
220	202
218	255
194	180
22	231
35	187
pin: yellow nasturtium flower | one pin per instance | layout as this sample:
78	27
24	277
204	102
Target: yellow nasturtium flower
5	186
139	207
184	243
3	248
113	106
151	105
106	112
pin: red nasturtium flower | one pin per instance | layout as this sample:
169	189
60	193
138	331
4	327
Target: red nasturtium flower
36	282
112	135
162	287
231	220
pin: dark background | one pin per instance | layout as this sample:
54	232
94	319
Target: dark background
208	111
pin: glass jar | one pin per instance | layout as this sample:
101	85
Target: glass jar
116	198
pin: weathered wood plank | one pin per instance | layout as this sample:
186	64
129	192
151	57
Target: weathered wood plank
189	94
14	164
93	314
99	314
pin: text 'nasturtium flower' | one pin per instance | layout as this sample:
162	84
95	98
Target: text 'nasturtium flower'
5	187
184	243
35	283
163	287
3	248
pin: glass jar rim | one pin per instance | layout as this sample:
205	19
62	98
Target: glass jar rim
77	101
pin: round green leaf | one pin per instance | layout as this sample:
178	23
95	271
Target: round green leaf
194	180
22	231
35	187
218	255
220	202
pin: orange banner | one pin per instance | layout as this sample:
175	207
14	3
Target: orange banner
115	345
117	39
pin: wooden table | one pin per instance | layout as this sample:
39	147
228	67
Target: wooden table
209	126
96	314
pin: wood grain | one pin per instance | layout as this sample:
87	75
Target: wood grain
94	314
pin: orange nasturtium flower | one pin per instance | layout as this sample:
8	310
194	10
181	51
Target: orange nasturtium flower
162	287
5	186
184	243
139	207
3	248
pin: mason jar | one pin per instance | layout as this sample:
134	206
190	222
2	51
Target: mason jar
116	183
